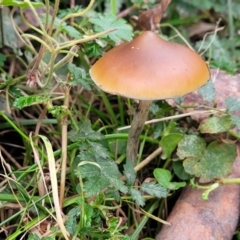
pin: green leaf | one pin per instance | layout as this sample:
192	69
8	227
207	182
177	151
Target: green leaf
129	172
2	59
106	172
20	4
72	32
71	222
232	104
69	30
79	77
15	91
89	213
191	146
65	11
215	162
169	143
85	132
180	171
92	49
116	229
107	22
33	236
164	177
208	91
236	121
205	4
218	51
137	197
26	101
216	124
154	189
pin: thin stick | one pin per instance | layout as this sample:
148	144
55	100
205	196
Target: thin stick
196	112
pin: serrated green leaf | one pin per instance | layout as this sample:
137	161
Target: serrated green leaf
232	104
107	22
191	146
216	162
154	189
137	197
71	31
129	172
99	150
71	222
169	143
27	101
89	212
65	11
20	4
113	193
164	176
216	124
208	91
85	132
116	229
92	49
97	178
79	77
180	171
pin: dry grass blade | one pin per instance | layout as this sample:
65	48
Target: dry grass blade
53	177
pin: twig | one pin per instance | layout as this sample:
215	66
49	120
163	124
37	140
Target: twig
175	117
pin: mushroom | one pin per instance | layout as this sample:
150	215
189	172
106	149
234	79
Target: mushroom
148	68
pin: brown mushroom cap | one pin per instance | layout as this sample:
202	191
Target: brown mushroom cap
150	68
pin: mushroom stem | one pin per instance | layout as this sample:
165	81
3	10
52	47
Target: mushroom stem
135	131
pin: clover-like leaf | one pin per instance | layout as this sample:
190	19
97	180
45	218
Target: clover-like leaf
215	162
216	124
191	146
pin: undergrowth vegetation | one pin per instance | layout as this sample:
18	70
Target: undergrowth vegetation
64	173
